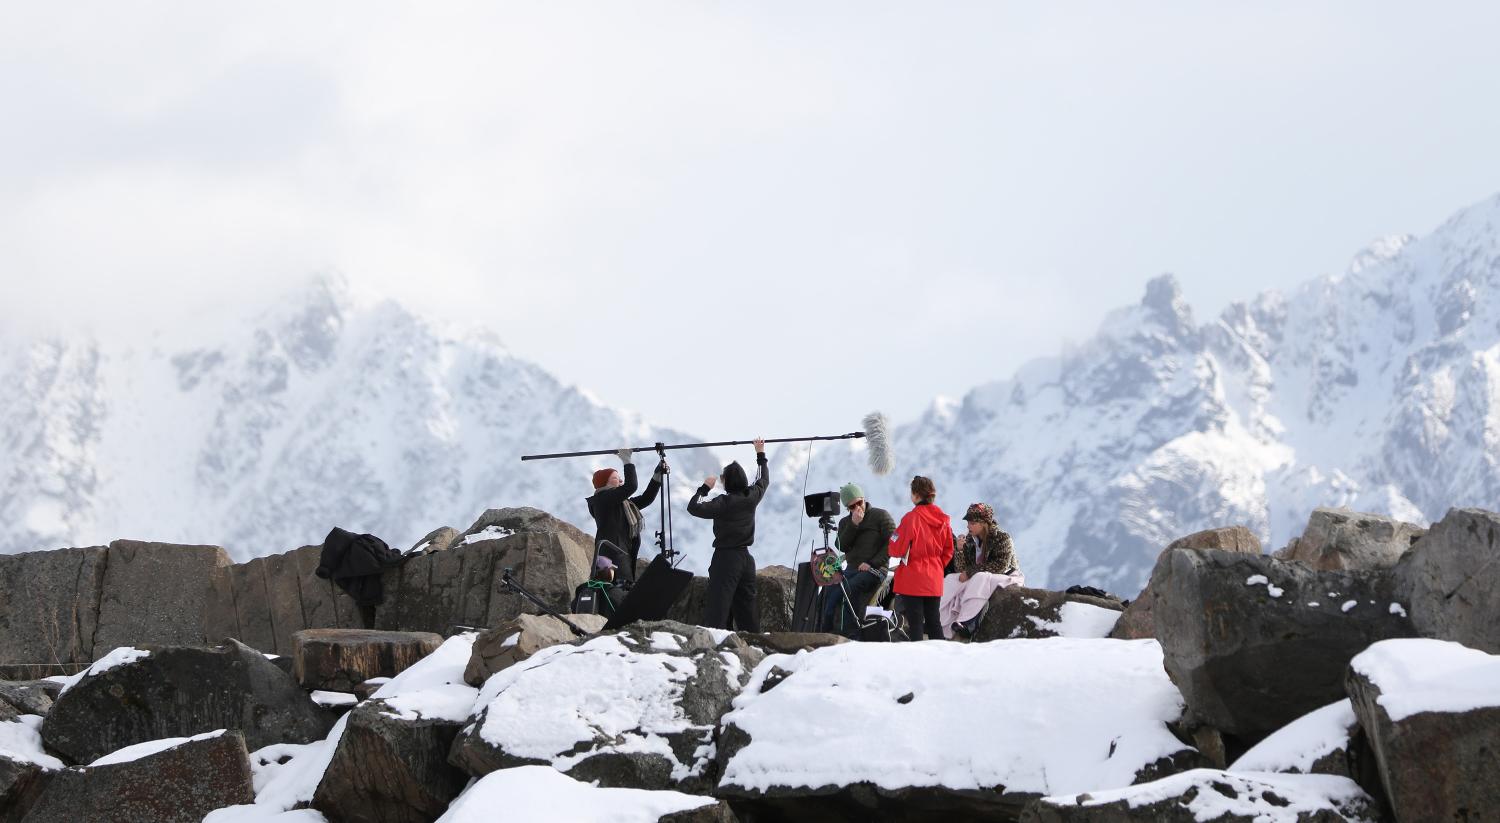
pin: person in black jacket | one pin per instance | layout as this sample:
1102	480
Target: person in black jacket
865	539
731	573
617	515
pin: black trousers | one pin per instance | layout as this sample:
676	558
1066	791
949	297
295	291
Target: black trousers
731	592
921	614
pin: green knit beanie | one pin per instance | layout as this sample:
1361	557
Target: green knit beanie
850	493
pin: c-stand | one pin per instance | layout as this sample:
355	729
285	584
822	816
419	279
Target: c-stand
510	586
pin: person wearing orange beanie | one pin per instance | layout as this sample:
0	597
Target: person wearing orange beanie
617	515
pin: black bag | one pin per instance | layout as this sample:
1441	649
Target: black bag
595	597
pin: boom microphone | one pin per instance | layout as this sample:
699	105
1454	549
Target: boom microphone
878	434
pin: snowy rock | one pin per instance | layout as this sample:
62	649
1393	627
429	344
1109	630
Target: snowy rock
340	659
916	730
1245	644
461	586
1136	623
1208	794
790	642
536	794
436	540
519	638
1315	743
1450	580
178	784
1342	539
25	697
390	764
49	606
1431	709
178	691
267	600
24	766
1017	612
636	709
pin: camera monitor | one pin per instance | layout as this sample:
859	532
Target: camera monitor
822	504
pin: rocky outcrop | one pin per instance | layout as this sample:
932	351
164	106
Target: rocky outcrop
461	586
1207	794
647	720
515	640
436	540
390	768
1431	711
1254	642
1136	622
341	659
266	601
25	698
49	610
1017	612
1450	580
21	783
775	593
155	593
1343	539
179	691
180	784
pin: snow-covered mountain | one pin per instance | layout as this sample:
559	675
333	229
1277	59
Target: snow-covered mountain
1378	388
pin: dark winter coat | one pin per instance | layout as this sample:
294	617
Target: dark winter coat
999	557
355	562
733	512
610	523
925	539
868	542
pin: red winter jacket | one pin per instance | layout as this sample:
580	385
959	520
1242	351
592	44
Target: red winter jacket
925	539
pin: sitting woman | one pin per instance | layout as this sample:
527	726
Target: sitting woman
984	561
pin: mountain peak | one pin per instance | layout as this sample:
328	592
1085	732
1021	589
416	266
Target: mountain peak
1164	303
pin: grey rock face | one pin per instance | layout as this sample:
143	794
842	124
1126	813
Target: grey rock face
264	602
1136	622
49	608
1254	642
697	676
1451	580
179	785
1434	765
776	590
436	540
21	783
1018	612
25	698
390	769
180	691
461	586
515	640
1342	539
340	659
155	593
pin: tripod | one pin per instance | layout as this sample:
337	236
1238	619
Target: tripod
510	586
664	536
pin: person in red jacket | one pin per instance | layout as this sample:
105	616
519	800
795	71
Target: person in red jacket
924	542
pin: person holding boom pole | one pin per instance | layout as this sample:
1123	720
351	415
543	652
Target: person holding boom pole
617	515
731	573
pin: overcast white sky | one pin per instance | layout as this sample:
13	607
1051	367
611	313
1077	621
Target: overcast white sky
734	217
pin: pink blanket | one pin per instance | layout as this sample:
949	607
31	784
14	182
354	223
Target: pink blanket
961	601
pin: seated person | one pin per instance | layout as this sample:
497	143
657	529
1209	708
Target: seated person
984	560
597	595
864	536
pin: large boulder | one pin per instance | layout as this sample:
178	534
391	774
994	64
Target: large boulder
515	640
1451	580
169	781
916	731
391	761
341	659
266	601
135	695
541	793
1431	709
1343	539
436	540
637	709
1209	794
24	766
1017	612
24	697
776	591
460	587
49	610
1254	642
156	593
1136	622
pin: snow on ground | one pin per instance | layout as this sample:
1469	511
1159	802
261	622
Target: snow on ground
490	532
1299	744
1417	675
434	687
281	785
1260	797
150	747
118	657
21	740
622	697
1045	716
1079	620
538	794
333	699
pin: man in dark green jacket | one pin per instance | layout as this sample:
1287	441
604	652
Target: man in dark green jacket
865	538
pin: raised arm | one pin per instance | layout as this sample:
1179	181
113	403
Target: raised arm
762	472
706	509
648	496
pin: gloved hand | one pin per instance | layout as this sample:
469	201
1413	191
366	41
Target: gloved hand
625	455
662	470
